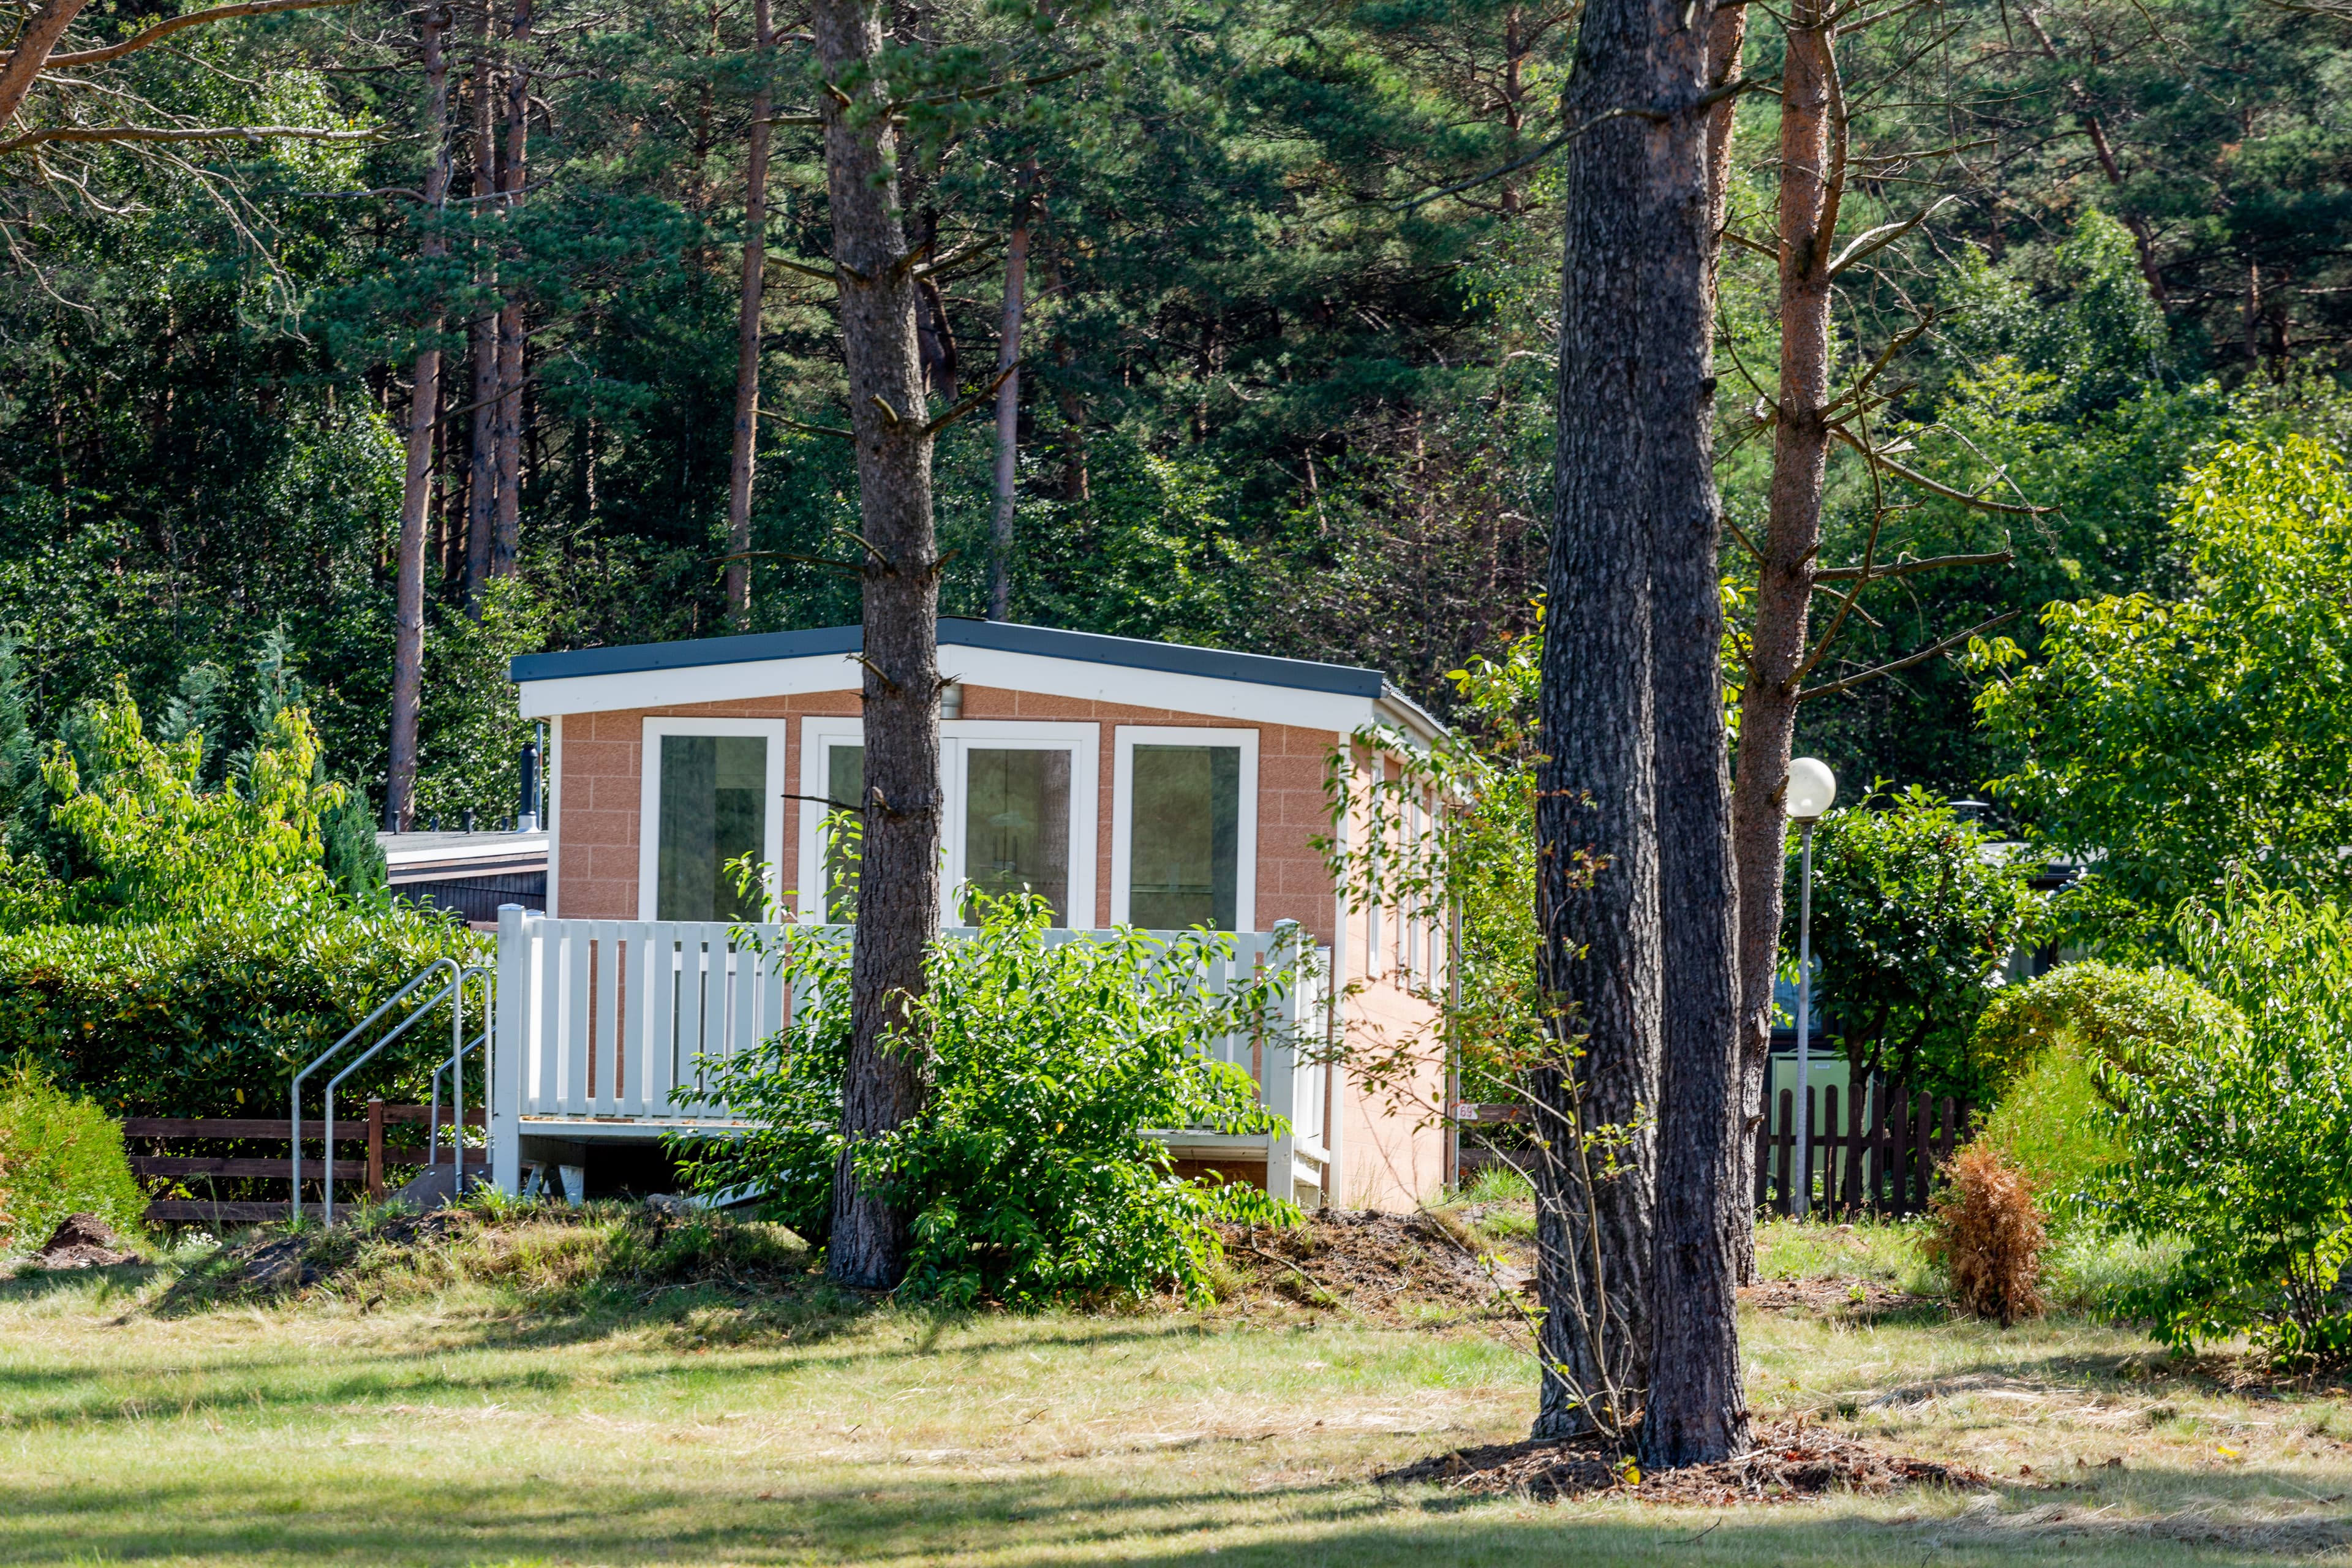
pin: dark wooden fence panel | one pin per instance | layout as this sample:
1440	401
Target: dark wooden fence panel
1879	1161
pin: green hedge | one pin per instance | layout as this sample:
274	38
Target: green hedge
59	1154
214	1017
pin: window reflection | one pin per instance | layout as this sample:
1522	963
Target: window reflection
1184	838
714	808
1017	826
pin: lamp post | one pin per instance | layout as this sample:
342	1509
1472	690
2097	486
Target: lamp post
1811	787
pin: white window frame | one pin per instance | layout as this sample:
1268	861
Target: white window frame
1122	819
958	736
775	732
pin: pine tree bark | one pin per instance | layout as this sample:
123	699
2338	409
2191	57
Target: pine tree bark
1597	809
506	544
1810	191
416	487
482	456
1008	398
745	451
898	871
1695	1410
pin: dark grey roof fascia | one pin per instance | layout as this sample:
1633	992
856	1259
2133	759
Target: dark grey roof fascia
1088	647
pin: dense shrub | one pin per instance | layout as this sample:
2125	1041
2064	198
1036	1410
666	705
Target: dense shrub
1986	1234
184	950
2106	1012
1026	1172
2237	1139
59	1154
2054	1123
1916	913
2048	1045
213	1017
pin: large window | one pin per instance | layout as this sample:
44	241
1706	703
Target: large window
1019	812
712	794
1184	838
1017	826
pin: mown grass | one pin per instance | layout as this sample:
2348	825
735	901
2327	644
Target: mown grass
550	1391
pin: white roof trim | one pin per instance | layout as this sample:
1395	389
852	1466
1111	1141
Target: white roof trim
1081	680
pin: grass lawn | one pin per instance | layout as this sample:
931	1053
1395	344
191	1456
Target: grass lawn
536	1411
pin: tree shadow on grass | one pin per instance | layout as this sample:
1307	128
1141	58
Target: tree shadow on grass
349	1513
30	1283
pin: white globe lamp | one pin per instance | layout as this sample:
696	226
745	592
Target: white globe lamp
1812	788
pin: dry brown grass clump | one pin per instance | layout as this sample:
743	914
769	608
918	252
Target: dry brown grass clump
1987	1235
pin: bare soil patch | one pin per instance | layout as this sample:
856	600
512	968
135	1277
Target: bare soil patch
1383	1266
1830	1295
1790	1462
82	1241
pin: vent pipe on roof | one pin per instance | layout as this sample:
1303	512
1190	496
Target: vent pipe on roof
527	818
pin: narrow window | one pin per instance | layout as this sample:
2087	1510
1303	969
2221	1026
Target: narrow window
845	783
1017	826
714	808
1183	858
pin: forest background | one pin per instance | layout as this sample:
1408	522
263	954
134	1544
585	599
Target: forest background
1270	396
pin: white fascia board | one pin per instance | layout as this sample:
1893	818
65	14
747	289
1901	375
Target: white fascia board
1201	695
685	688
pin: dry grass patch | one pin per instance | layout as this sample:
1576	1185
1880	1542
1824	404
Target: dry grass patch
525	1395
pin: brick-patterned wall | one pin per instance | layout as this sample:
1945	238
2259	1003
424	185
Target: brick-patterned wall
599	775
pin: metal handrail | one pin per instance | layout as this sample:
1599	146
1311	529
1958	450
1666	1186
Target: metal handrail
454	992
457	1109
295	1121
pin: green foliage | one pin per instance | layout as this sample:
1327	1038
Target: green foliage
1475	859
2238	1140
2100	1011
59	1154
2054	1123
470	732
1025	1172
145	841
1916	913
2165	741
213	1016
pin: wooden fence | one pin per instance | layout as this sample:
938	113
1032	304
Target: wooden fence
239	1166
1880	1159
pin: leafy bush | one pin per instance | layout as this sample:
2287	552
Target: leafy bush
2045	1045
2163	741
1986	1234
59	1154
1026	1172
2238	1140
2108	1013
1914	921
213	1016
145	841
2054	1123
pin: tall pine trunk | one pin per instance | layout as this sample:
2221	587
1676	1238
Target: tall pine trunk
1008	398
746	446
898	871
417	487
1596	815
482	456
1791	543
506	544
1695	1410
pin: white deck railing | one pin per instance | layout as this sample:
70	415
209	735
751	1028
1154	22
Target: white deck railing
608	1026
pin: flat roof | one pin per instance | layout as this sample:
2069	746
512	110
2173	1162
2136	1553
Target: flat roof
1087	647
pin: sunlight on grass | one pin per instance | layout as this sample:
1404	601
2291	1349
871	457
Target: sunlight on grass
540	1394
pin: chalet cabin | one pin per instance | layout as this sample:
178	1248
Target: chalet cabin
1125	782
